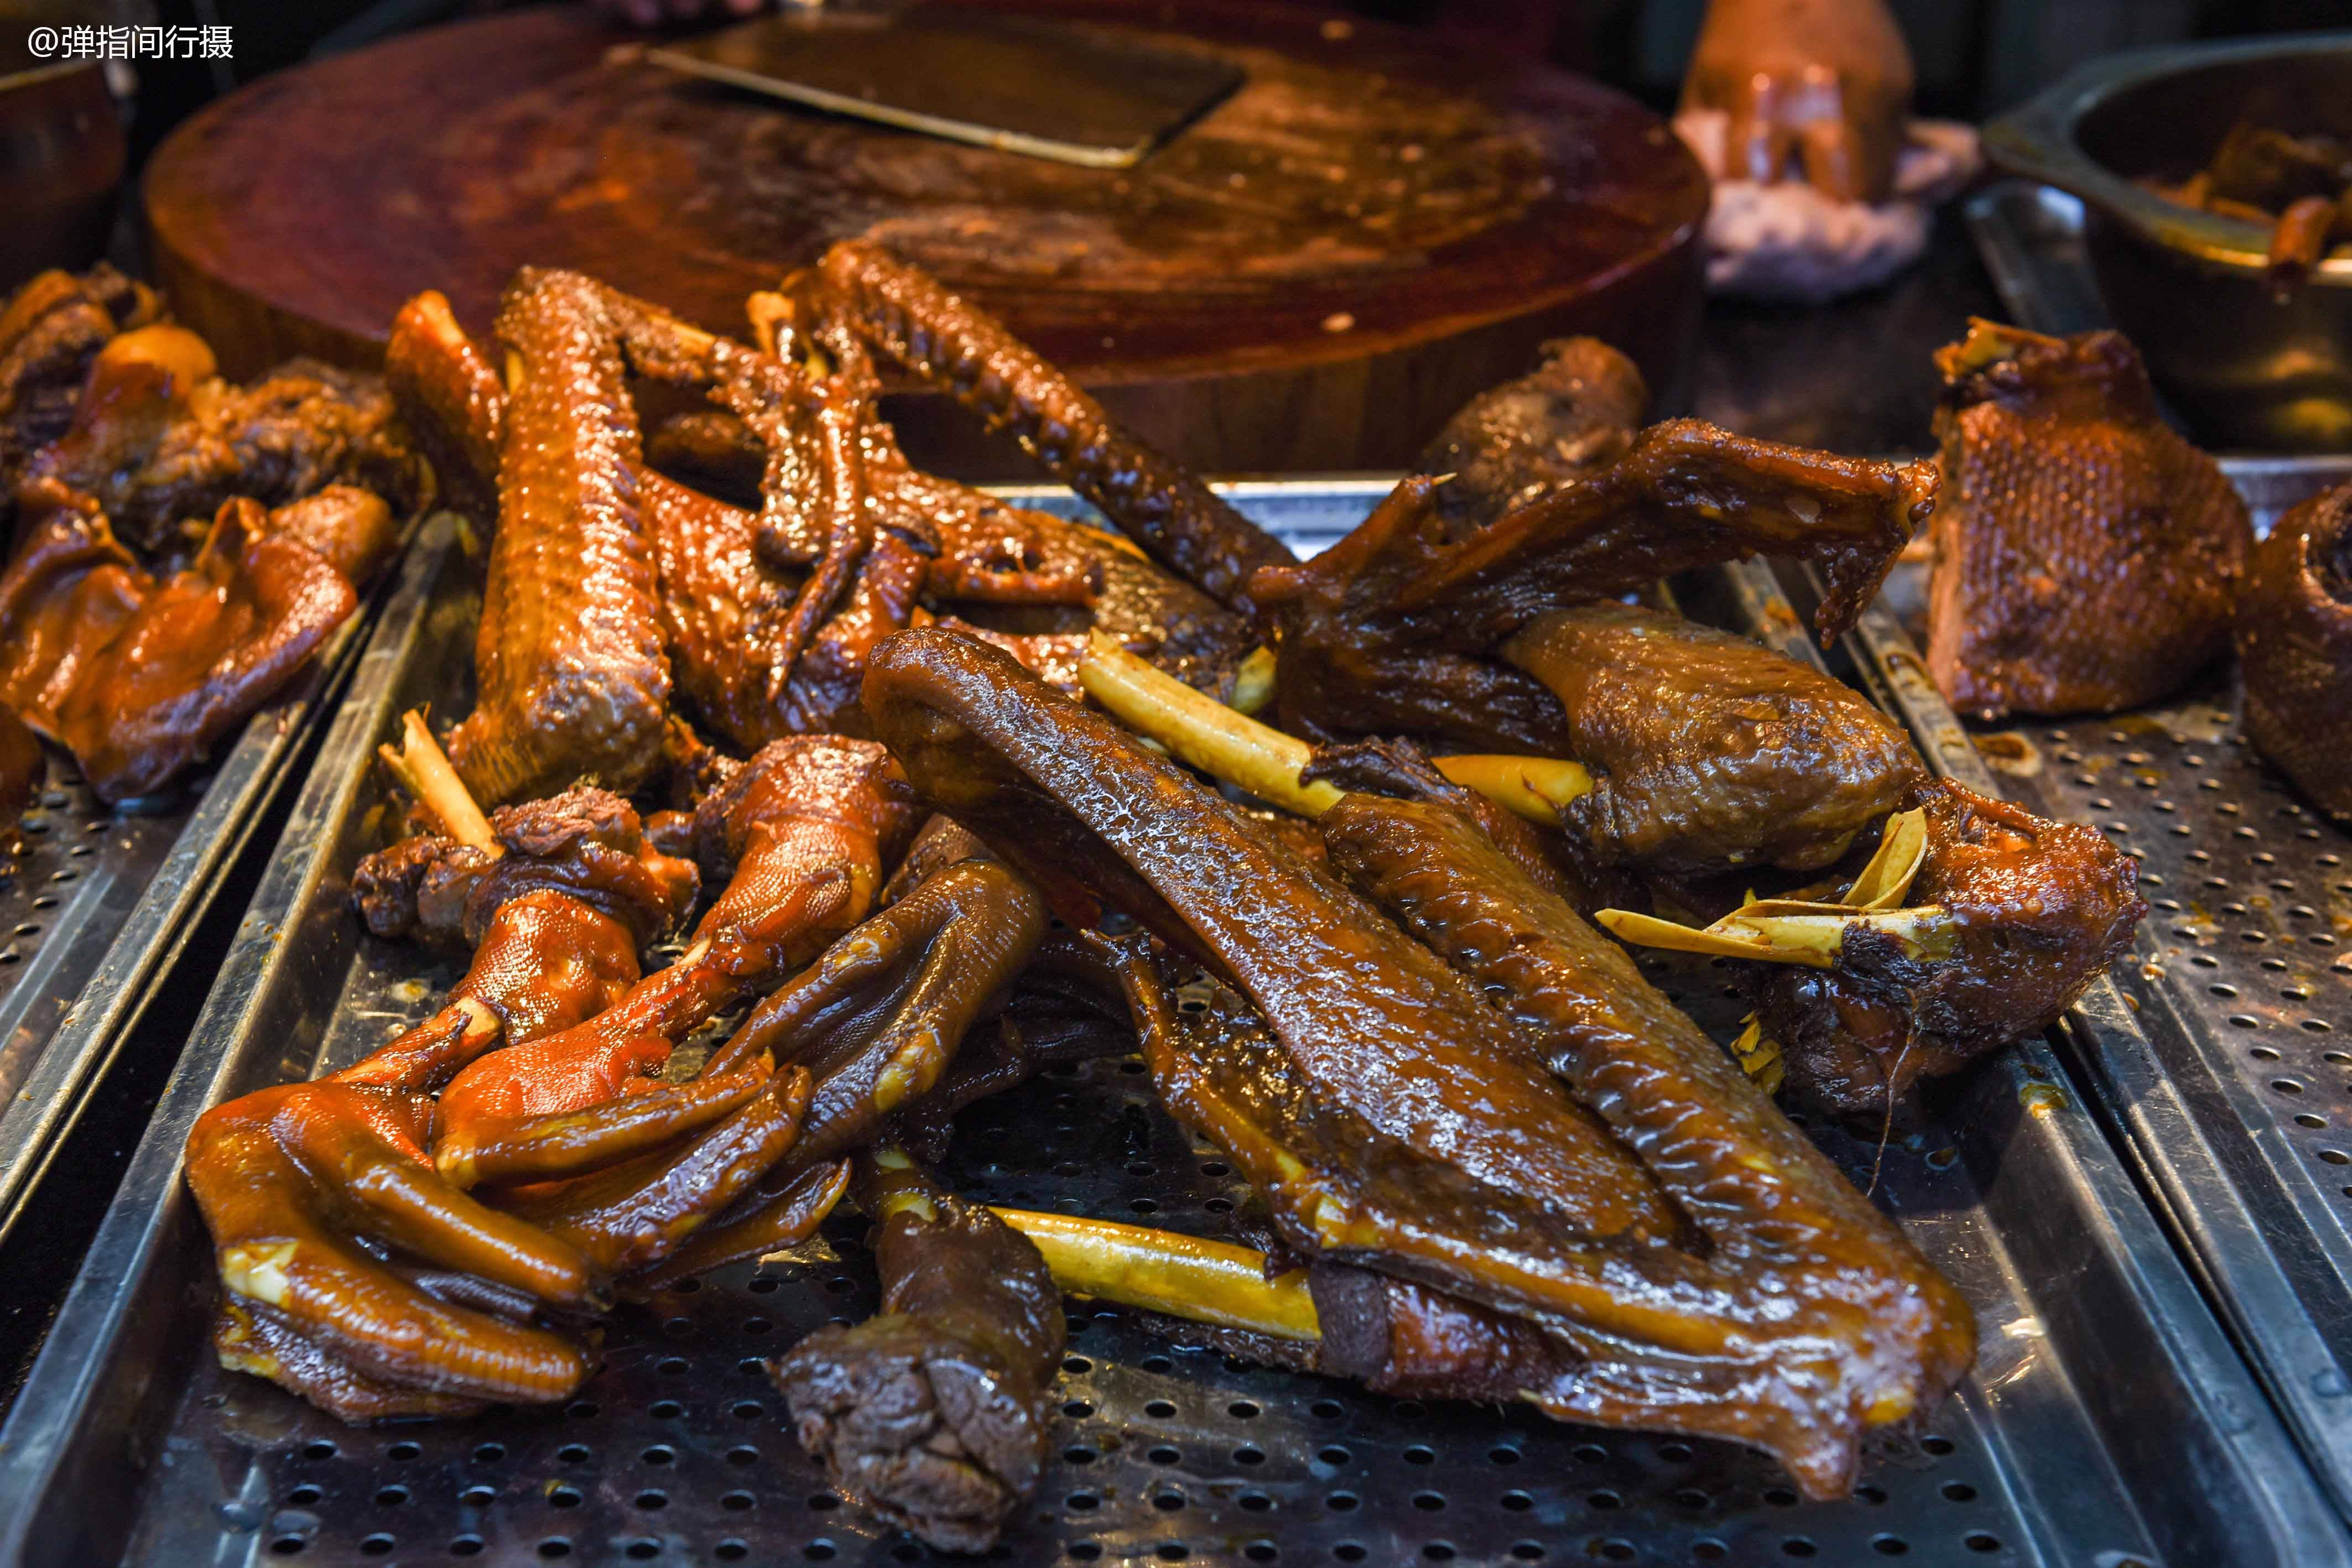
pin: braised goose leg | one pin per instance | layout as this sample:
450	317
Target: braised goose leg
1708	750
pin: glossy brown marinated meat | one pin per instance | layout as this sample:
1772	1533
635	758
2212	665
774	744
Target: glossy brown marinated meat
2295	647
51	330
573	682
452	400
1555	1153
934	1414
140	678
953	344
285	1176
2087	556
876	1022
2035	911
1392	630
1573	414
1707	750
586	842
158	454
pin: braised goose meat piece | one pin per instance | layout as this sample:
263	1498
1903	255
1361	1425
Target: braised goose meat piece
2019	916
2087	556
1569	418
934	1414
50	333
1392	630
1569	1152
1708	750
586	842
140	677
964	350
354	530
573	683
2295	647
164	440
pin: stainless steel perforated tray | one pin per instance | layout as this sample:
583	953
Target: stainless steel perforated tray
2234	1095
94	908
2108	1423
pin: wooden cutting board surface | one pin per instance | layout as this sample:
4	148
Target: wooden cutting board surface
1312	276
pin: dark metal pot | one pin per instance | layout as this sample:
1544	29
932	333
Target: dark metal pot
62	158
2248	366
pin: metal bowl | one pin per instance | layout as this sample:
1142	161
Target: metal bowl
2248	366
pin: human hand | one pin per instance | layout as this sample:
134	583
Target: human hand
1826	81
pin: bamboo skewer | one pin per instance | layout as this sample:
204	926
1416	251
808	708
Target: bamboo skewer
1229	745
1165	1272
419	763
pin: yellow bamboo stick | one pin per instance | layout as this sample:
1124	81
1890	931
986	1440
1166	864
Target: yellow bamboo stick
1165	1272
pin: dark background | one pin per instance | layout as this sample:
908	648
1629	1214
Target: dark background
1974	56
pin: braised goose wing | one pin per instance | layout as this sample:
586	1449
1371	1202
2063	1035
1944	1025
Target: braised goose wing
573	682
2294	646
2085	555
1390	630
1509	1115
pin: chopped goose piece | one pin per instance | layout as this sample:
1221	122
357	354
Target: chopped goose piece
51	331
2085	555
2294	644
140	677
159	439
586	842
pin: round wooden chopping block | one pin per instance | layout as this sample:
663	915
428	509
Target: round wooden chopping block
1311	277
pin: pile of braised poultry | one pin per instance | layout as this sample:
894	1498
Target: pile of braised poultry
181	546
942	777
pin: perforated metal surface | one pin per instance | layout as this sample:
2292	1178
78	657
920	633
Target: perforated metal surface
2245	973
2250	894
675	1452
63	897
